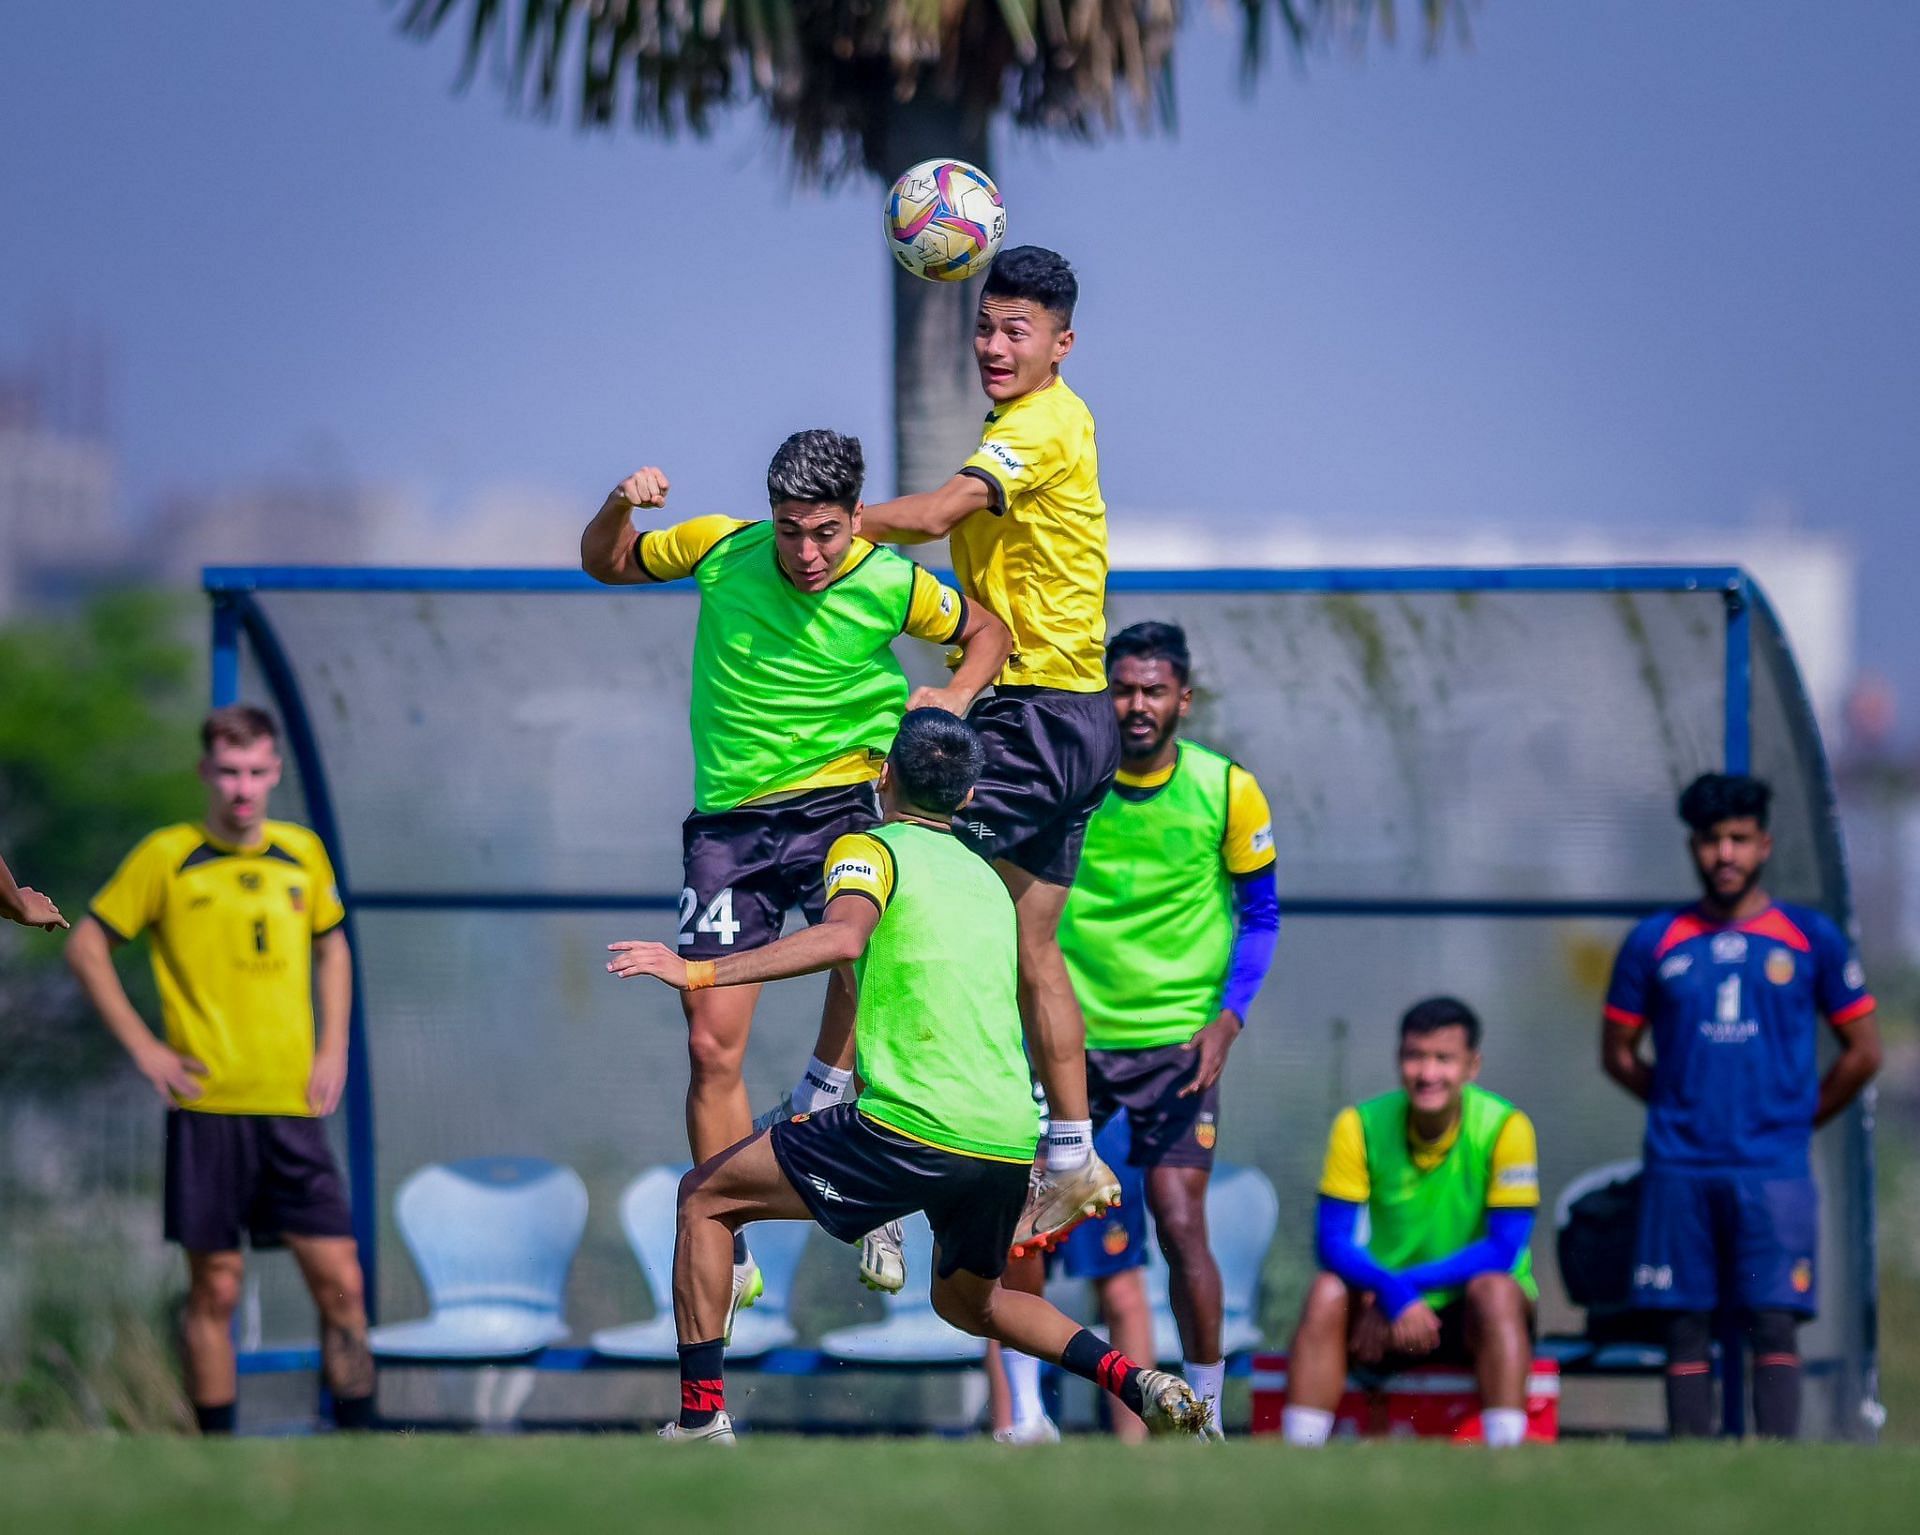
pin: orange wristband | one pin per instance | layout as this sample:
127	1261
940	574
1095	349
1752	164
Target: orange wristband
699	974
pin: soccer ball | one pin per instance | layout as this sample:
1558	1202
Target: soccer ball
944	220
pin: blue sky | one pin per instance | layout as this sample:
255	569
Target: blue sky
1641	264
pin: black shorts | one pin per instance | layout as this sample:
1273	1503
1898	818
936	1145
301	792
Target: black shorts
746	867
1167	1130
1452	1348
856	1175
1051	757
271	1175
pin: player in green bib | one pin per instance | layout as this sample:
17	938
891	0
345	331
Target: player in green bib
1168	934
945	1122
1447	1175
796	696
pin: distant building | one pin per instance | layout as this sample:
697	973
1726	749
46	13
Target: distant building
58	486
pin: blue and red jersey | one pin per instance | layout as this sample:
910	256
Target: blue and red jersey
1735	1009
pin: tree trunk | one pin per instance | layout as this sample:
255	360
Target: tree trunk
937	403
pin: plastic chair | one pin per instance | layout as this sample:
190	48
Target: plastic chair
910	1333
648	1215
492	1238
1243	1212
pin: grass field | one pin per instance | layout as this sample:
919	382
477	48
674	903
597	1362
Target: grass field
843	1487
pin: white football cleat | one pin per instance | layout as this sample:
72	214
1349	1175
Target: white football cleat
1057	1202
883	1264
748	1287
1168	1406
719	1431
1040	1430
779	1114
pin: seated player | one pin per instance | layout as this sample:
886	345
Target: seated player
945	1121
796	695
1110	1253
25	905
1447	1176
1731	993
247	929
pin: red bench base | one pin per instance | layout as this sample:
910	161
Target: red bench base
1437	1402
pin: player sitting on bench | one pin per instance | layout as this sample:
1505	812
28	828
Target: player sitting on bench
1447	1175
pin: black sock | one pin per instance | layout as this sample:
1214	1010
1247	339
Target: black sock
214	1420
1776	1375
1093	1358
740	1246
1689	1375
702	1392
353	1413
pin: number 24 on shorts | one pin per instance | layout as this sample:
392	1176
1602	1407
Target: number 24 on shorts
717	918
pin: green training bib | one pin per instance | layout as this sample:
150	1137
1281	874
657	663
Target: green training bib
785	681
1148	930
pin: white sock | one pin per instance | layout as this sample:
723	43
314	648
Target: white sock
821	1086
1503	1427
1023	1386
1069	1144
1205	1380
1305	1426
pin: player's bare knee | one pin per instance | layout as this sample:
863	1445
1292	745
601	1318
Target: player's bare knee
713	1058
215	1292
1325	1308
1182	1226
1496	1300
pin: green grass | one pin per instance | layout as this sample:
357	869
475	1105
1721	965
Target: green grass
477	1486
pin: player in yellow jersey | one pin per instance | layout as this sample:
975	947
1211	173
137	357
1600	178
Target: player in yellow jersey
1029	537
245	927
25	905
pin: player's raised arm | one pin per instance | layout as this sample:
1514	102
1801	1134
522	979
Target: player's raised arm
931	514
609	548
985	644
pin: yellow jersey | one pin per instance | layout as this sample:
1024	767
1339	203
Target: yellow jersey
1038	556
935	613
1514	1185
232	944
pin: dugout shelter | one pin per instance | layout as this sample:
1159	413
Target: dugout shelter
1472	772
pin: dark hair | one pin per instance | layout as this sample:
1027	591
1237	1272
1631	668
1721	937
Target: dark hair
935	759
818	466
1037	274
1152	641
1715	797
1437	1013
237	725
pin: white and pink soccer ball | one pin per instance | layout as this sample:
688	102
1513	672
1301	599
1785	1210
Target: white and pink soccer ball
944	220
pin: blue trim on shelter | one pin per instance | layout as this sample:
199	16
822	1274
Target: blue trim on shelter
284	685
1436	578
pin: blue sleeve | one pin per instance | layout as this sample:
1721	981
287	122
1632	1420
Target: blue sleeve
1335	1222
1508	1231
1627	994
1839	984
1256	902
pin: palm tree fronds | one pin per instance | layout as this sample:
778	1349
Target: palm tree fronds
830	72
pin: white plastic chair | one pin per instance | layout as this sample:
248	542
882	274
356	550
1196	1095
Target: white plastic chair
1242	1214
493	1238
648	1215
911	1332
